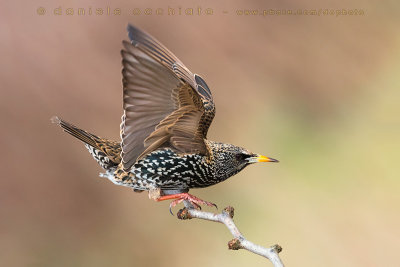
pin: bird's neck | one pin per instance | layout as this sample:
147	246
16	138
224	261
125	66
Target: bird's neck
217	159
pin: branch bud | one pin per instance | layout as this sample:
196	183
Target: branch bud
230	211
234	244
277	248
183	214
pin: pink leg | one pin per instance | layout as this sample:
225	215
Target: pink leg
178	198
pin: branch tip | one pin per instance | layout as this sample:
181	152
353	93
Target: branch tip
183	214
277	248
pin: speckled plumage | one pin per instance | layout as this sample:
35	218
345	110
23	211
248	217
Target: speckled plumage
167	113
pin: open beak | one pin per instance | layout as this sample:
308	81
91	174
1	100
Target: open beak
260	158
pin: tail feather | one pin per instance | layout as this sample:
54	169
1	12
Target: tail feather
109	149
82	135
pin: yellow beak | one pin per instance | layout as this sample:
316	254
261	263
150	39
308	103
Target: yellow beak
261	158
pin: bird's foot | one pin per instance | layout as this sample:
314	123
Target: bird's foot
179	198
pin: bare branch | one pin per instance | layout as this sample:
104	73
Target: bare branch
239	241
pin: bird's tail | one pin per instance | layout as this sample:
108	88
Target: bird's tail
106	152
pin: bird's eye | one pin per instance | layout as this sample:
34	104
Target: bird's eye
241	157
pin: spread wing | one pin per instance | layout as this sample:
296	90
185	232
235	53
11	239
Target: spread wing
165	105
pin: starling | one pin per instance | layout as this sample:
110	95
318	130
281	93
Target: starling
167	113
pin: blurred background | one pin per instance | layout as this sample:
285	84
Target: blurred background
319	93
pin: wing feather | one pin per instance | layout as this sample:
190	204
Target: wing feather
165	105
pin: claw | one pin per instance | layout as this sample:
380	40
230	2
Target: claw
173	204
196	206
178	198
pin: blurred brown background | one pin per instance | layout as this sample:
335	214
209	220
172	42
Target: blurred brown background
319	93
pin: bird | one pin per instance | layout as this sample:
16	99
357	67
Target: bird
167	111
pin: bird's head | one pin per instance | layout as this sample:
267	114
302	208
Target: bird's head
231	159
